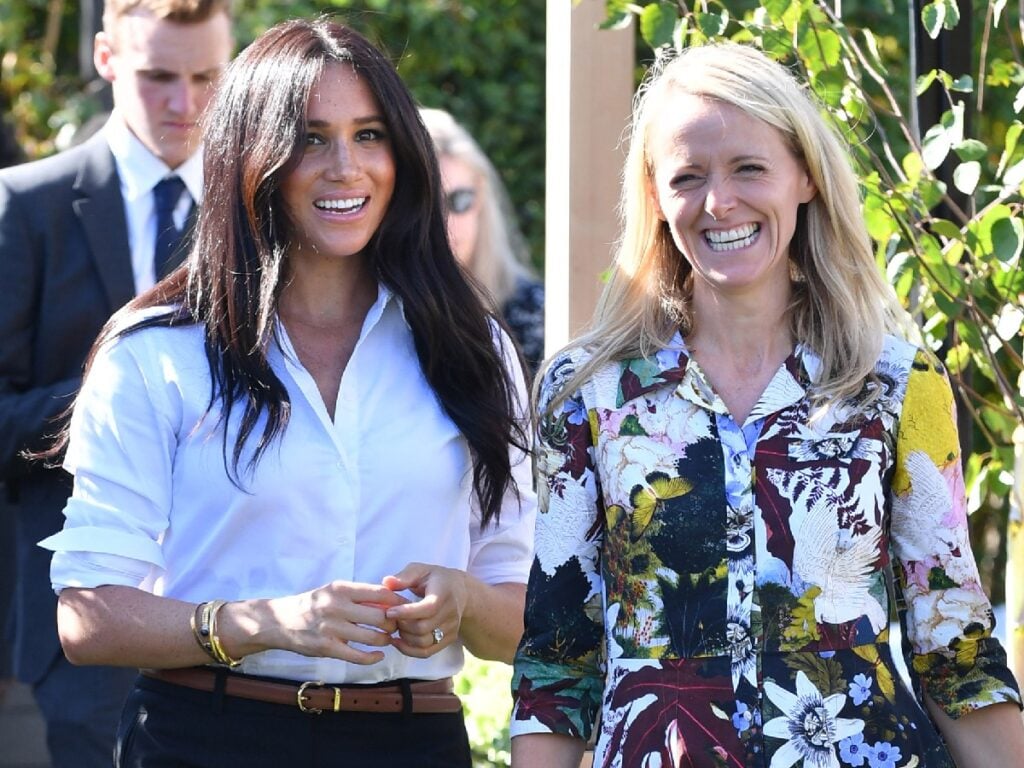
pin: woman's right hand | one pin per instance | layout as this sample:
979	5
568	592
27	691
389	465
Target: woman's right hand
322	622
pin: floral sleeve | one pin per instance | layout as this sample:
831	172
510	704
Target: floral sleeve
948	619
557	682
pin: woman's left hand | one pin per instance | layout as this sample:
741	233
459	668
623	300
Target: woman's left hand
432	622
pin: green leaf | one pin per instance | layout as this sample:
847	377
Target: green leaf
958	358
966	176
631	426
1002	73
871	44
937	579
935	146
971	149
657	22
952	15
713	24
1007	238
931	192
880	222
945	229
819	45
776	9
1013	133
969	334
953	120
1018	101
963	84
913	166
1013	177
1009	283
982	230
617	20
854	103
932	17
905	283
924	81
948	308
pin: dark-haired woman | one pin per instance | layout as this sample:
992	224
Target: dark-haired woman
300	490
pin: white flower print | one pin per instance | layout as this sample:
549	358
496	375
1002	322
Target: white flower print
630	460
739	526
570	518
811	724
743	651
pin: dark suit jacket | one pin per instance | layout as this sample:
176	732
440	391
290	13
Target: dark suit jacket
66	266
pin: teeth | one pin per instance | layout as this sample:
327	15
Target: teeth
340	205
731	239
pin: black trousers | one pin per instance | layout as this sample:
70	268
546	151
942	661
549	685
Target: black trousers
170	726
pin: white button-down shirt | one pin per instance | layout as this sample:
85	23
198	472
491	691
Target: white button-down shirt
388	481
139	171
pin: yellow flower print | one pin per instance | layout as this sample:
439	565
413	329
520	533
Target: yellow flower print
647	500
927	423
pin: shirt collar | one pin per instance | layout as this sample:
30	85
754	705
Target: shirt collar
671	365
140	170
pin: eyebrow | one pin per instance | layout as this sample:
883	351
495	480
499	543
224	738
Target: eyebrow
359	121
688	162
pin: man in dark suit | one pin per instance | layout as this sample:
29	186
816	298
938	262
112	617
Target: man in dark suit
80	234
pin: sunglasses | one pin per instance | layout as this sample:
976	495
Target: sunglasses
460	200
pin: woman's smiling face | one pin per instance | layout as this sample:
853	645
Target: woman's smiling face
729	188
339	192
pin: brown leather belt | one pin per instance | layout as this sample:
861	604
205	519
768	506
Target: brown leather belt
427	696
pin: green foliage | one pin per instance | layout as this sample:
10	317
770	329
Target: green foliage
482	60
485	690
941	186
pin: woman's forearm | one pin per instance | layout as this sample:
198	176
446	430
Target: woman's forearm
546	750
992	735
492	624
126	627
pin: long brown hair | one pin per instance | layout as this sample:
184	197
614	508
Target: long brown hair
233	277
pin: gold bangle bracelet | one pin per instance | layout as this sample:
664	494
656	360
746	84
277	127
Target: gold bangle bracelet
200	623
219	654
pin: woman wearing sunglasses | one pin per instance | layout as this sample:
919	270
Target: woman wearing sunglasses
484	234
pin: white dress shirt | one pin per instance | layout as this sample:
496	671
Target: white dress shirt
139	171
388	481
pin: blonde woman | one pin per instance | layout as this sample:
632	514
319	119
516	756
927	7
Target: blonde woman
484	234
746	472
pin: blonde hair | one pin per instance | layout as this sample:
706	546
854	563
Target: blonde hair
841	307
500	256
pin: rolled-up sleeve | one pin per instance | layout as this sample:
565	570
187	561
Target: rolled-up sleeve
948	620
557	679
121	451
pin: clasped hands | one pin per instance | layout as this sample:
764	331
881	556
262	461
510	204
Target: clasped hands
341	613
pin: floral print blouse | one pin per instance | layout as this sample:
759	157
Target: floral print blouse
722	591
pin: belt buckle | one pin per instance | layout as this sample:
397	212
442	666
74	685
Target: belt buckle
301	697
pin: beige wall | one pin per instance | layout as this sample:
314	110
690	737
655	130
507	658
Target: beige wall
589	92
